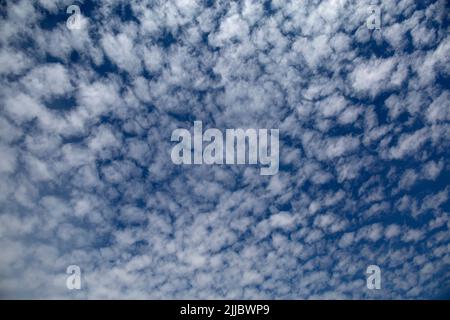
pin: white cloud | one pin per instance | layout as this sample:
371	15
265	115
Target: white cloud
92	184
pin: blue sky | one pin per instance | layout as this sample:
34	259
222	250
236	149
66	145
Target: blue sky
86	178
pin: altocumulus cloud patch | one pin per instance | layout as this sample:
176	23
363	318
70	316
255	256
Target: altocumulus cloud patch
90	98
